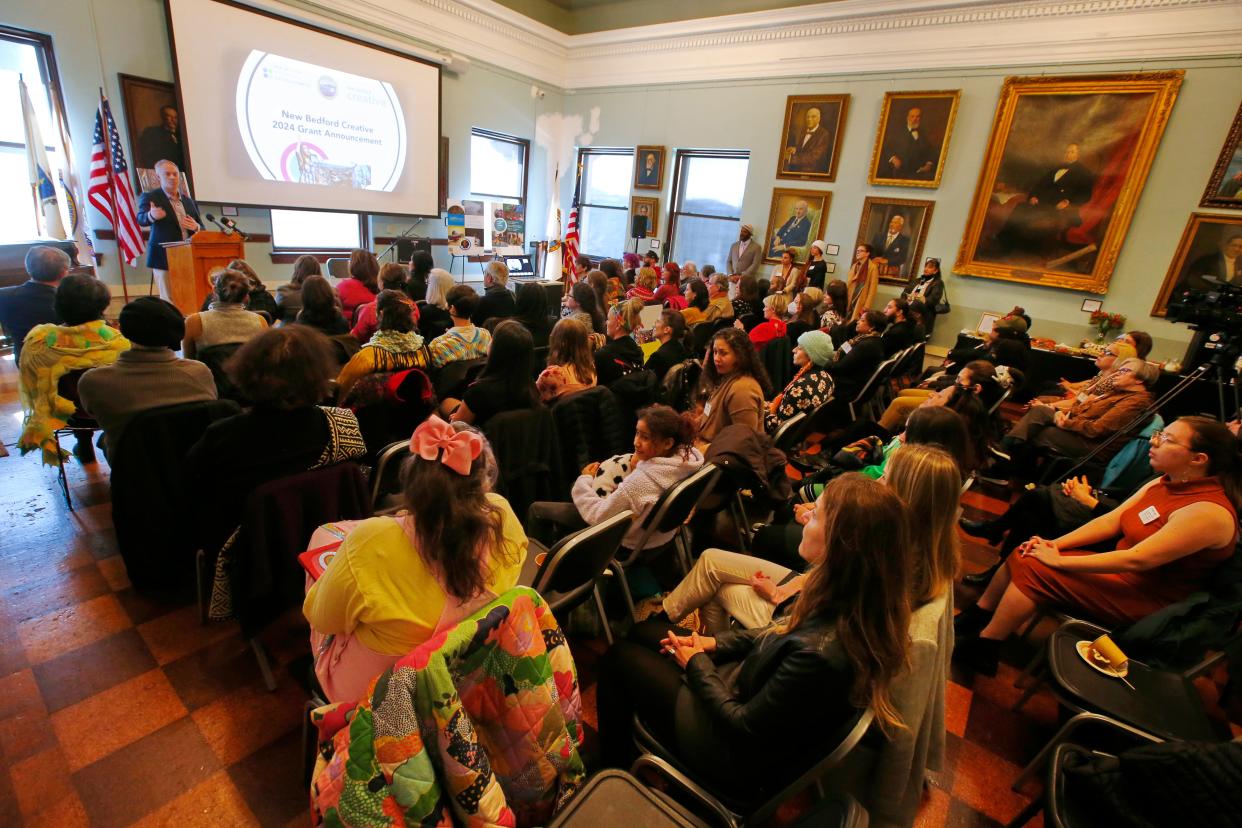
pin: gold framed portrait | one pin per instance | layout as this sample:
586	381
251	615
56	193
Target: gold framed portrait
648	168
912	140
796	219
1224	188
896	229
1064	168
811	137
1211	246
649	208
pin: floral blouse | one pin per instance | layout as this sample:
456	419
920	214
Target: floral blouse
805	393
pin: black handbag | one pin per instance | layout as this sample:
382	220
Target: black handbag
942	307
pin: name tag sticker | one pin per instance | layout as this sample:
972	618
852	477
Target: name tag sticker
1148	515
707	412
846	347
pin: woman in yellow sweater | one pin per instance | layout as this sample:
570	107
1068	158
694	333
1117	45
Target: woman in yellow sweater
399	581
396	346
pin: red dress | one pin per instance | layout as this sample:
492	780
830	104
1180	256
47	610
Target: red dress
1123	597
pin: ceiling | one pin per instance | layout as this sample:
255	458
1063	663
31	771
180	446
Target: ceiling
583	16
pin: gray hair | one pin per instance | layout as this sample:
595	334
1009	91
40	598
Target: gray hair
499	272
439	283
1144	371
46	264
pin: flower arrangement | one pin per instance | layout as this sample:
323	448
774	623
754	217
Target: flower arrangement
1105	322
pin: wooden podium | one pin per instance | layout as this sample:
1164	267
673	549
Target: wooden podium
190	262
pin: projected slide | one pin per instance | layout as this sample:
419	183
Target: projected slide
315	125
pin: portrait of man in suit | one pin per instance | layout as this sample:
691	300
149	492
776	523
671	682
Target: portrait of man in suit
1223	264
794	233
649	168
892	246
910	153
895	230
811	137
796	218
913	137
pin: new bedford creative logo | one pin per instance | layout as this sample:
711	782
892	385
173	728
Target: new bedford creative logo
327	86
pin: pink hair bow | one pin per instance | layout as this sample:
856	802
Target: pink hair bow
455	449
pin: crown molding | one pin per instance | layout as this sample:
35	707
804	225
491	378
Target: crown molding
849	36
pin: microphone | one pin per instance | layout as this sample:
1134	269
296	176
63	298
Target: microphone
212	219
232	225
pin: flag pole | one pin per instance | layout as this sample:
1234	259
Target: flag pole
116	233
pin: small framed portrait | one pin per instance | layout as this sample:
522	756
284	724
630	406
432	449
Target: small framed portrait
797	218
811	137
833	250
648	168
912	141
646	207
154	126
1210	252
1062	175
830	267
895	228
987	320
1091	305
1224	188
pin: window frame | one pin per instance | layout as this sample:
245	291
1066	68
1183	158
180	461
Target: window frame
583	154
683	156
524	143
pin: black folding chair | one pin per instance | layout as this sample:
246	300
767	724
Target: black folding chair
386	472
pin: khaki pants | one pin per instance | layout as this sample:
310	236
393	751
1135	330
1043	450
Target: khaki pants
899	410
161	283
719	587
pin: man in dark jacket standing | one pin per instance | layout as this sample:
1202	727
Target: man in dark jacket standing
33	302
497	299
171	216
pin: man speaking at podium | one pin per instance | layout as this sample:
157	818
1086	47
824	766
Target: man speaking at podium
171	216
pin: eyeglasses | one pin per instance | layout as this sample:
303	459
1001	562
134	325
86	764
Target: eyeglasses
1123	371
1162	437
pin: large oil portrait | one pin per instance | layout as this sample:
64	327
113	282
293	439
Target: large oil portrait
811	137
896	229
912	141
797	218
1224	188
154	126
1209	253
1065	165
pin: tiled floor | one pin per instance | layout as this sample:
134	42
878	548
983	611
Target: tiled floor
120	709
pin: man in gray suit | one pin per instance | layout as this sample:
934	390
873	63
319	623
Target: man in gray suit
744	255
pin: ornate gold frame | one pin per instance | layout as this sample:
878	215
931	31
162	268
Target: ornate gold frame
1193	225
638	154
654	204
889	97
1222	164
916	242
825	199
835	153
1162	86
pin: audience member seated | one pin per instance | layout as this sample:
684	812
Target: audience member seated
531	311
1079	429
804	313
670	287
785	277
645	284
689	272
927	287
571	366
748	306
858	358
507	382
289	296
1006	344
392	276
670	332
696	303
1140	341
1113	357
33	302
615	277
258	300
834	307
396	346
620	355
663	456
497	300
362	284
718	305
599	283
839	650
900	332
464	340
631	263
1169	537
397	581
735	383
811	385
421	265
148	375
227	321
773	325
82	340
581	304
433	315
321	309
978	378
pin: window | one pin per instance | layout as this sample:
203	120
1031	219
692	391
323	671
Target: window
498	165
311	230
603	200
708	186
29	55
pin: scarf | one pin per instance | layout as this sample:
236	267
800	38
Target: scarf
49	352
775	405
396	341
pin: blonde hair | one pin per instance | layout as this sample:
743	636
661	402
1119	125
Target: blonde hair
808	304
647	278
630	314
928	479
779	303
438	286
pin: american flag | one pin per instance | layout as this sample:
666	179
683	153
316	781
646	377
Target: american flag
106	187
570	247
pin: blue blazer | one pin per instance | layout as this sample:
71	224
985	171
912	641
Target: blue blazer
166	229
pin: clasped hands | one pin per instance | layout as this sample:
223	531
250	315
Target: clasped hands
685	647
1044	551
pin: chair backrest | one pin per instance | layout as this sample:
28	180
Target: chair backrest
214	358
451	380
527	453
777	359
541	360
650	314
572	565
344	346
337	268
790	432
880	375
1131	465
675	506
700	335
1006	394
386	472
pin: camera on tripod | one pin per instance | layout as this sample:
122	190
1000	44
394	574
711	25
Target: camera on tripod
1218	307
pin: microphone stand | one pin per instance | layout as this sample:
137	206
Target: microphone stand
404	235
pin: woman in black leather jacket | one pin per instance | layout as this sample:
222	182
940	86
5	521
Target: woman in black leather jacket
758	707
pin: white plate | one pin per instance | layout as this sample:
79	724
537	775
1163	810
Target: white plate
1084	650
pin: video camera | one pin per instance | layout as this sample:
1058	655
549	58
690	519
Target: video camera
1216	308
